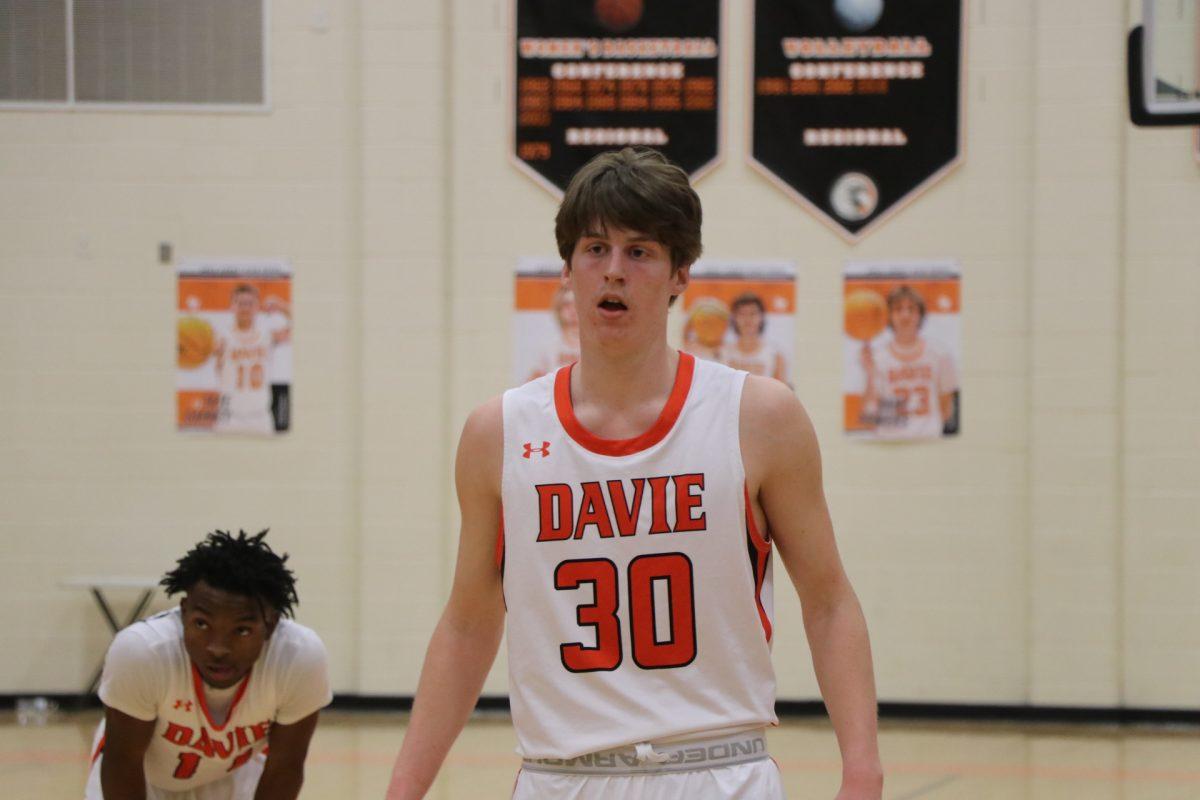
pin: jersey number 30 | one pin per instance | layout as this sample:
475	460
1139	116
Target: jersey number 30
650	651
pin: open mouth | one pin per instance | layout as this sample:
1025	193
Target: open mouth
220	672
610	304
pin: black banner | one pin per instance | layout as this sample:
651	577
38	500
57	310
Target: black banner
856	102
595	75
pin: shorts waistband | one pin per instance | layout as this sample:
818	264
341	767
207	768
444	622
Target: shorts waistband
644	759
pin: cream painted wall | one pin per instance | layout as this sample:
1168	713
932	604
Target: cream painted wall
1044	556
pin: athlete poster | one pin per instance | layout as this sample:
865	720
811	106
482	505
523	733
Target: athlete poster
595	75
234	346
545	325
902	350
856	103
742	314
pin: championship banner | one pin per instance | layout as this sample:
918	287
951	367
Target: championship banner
595	75
902	349
856	103
545	325
742	314
234	356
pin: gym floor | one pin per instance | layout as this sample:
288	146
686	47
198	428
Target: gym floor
352	754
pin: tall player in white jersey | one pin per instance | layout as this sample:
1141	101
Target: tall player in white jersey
638	494
244	363
216	699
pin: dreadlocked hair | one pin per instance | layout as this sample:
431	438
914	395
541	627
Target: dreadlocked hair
243	565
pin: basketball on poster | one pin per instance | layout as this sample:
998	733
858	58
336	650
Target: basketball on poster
901	350
233	344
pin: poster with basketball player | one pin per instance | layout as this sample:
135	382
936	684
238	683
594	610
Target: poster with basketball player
595	75
902	349
742	315
856	104
545	326
234	346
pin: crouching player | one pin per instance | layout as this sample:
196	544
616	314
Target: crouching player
216	699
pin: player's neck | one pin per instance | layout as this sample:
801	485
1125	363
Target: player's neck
614	380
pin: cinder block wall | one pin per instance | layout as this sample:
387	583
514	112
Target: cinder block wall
1044	556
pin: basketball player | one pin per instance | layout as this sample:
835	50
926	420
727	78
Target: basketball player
911	380
624	510
244	363
193	697
750	352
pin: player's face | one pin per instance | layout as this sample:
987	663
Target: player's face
223	633
747	320
623	282
245	306
906	319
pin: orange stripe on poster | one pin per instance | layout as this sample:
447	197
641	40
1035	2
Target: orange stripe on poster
536	294
943	296
779	296
852	404
215	294
196	410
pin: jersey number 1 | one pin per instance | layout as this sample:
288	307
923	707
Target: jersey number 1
677	649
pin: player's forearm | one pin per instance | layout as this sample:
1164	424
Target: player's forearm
837	636
456	664
121	779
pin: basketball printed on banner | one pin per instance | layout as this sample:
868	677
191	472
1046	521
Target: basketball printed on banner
858	15
195	341
619	15
866	314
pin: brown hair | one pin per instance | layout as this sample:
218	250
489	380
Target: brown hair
750	299
636	189
901	293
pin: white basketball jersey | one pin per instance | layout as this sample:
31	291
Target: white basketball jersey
912	381
245	375
148	675
637	585
760	362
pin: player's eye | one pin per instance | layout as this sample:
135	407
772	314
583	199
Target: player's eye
243	631
202	624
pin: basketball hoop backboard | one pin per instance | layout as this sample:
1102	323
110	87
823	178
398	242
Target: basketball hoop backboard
1163	63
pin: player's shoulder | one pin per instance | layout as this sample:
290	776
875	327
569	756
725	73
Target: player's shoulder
157	639
774	427
292	641
768	402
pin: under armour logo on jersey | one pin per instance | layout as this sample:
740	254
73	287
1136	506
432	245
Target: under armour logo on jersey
186	705
543	451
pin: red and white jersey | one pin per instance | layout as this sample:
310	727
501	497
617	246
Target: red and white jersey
245	377
637	585
148	675
911	381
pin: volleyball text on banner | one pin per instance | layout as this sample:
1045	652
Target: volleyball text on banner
856	103
596	75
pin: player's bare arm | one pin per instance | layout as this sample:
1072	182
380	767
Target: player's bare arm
126	740
783	474
283	774
467	636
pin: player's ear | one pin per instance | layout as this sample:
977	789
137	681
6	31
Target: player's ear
566	270
272	621
680	279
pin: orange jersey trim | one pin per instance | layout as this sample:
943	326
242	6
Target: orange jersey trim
623	447
760	553
198	687
99	749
